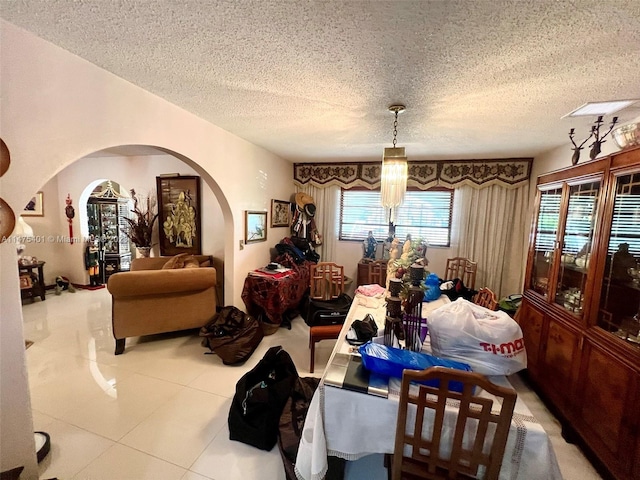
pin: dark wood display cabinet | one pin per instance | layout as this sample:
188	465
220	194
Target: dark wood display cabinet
106	216
580	314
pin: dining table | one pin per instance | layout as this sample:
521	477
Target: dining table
350	424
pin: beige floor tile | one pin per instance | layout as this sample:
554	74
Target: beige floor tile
124	463
180	430
194	476
81	378
41	421
115	415
72	449
225	459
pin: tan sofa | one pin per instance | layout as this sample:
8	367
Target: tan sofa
149	300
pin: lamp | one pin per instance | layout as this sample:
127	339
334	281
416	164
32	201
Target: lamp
393	180
23	232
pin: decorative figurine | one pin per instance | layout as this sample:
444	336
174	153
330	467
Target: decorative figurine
370	245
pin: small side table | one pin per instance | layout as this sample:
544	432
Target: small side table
37	287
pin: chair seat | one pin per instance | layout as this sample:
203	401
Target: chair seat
318	333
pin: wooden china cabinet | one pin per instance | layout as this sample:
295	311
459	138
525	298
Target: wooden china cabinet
580	314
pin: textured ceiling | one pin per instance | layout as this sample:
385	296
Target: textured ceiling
312	80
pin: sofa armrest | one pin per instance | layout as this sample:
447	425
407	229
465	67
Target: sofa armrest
155	282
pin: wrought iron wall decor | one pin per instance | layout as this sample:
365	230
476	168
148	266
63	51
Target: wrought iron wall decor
596	146
508	172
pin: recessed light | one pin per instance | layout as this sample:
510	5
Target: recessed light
593	109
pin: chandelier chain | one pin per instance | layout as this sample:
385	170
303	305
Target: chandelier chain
395	129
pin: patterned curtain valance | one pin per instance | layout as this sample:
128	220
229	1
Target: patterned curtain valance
508	172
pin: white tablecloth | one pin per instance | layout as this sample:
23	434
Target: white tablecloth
351	425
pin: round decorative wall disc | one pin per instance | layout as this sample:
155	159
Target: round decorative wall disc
5	157
7	220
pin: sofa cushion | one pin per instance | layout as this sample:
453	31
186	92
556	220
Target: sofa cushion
182	260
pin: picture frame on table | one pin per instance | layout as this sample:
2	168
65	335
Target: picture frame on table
280	213
179	214
35	207
255	226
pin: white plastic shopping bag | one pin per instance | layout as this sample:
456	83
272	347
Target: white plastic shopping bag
490	342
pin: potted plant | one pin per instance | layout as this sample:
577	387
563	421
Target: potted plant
141	225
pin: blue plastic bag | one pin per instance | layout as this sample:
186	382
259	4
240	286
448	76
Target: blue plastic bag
432	284
390	361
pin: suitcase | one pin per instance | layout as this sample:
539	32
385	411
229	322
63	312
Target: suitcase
326	312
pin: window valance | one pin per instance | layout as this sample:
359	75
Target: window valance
508	172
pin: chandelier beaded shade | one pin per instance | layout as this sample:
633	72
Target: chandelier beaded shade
393	181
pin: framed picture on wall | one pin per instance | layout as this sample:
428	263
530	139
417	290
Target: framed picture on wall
255	227
179	214
280	213
35	207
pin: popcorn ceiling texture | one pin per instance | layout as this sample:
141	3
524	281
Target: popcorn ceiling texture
312	80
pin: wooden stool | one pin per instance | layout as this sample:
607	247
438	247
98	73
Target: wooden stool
321	332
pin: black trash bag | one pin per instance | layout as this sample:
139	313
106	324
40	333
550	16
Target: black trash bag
260	398
232	335
458	290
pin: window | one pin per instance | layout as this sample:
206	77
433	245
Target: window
423	214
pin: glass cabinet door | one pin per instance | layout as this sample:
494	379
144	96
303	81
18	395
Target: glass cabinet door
620	290
545	239
109	227
576	244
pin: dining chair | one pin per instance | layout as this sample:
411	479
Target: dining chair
462	268
486	298
445	434
376	272
326	283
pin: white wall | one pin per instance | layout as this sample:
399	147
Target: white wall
57	109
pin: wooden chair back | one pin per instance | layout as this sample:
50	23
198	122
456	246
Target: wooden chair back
462	268
376	269
486	298
327	281
418	442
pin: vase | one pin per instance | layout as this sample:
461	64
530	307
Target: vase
143	252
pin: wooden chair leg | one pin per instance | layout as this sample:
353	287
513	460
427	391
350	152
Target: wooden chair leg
388	463
312	344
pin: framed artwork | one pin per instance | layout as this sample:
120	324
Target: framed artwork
25	282
280	213
255	227
35	207
179	213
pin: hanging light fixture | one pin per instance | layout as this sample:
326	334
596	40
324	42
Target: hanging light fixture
393	180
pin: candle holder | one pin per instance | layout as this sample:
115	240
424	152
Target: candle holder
596	146
416	274
395	287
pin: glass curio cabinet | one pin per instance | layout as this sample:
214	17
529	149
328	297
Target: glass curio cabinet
106	213
580	314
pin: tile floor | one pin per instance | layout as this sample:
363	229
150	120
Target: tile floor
159	411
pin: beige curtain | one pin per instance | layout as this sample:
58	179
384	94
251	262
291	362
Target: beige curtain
327	202
489	228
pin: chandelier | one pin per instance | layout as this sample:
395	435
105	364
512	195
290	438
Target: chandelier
393	181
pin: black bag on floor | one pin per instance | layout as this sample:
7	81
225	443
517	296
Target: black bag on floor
260	397
292	422
232	335
326	312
